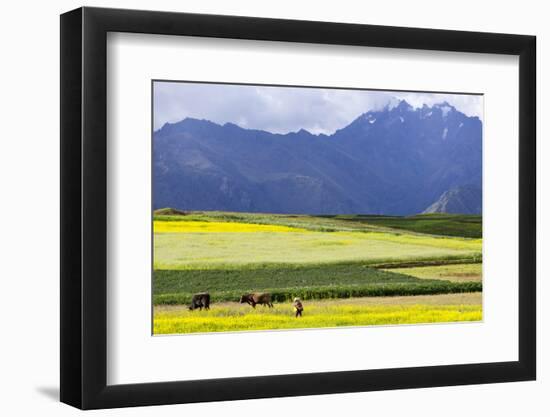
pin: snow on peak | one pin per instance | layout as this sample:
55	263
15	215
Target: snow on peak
444	107
445	110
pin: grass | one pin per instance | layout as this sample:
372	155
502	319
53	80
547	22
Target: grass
457	225
335	264
273	276
435	224
334	291
284	282
351	312
312	223
236	249
454	273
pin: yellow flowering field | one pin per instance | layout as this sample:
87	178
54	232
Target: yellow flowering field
219	227
317	314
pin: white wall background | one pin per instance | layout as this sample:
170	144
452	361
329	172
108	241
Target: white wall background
29	177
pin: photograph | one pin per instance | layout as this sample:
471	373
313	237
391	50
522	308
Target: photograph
289	207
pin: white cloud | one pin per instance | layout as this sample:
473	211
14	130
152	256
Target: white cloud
286	109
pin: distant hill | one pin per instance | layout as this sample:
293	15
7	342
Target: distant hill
462	200
168	211
396	161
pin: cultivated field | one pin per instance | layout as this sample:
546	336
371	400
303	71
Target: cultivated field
454	273
366	311
319	259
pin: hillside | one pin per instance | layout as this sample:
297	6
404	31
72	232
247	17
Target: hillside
465	200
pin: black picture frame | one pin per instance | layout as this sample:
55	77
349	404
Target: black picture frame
84	207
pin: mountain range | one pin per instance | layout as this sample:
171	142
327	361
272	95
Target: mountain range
399	160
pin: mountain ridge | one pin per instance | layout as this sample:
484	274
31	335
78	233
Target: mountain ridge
405	104
395	160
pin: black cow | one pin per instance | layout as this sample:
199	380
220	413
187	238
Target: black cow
252	299
200	300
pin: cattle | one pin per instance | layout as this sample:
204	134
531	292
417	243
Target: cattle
199	301
298	306
252	299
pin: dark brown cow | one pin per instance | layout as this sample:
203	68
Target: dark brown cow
252	299
298	306
200	300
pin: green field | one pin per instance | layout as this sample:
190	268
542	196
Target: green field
285	282
436	224
316	258
456	273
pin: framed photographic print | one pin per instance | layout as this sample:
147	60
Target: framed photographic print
258	207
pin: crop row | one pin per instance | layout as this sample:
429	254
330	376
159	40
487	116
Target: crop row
425	287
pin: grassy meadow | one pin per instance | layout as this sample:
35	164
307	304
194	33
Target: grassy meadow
340	266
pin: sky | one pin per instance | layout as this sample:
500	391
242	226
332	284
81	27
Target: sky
286	109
